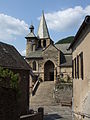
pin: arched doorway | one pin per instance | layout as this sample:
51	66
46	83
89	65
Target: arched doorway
49	71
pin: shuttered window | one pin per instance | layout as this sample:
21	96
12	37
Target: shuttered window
72	68
81	60
75	68
78	67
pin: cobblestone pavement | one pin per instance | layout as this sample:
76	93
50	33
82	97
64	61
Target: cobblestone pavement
57	113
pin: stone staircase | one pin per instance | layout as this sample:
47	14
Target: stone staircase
43	96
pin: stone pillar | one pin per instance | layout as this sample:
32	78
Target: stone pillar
34	48
47	42
42	43
58	68
41	110
30	84
55	75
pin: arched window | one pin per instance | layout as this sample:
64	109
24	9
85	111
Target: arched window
39	43
34	65
44	43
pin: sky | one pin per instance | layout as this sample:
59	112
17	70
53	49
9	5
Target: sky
63	18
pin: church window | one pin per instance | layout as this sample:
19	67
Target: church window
39	43
44	43
34	65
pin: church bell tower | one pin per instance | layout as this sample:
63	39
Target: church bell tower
31	44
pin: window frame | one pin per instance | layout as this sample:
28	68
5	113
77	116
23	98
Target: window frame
34	66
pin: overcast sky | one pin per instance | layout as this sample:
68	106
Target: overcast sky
63	17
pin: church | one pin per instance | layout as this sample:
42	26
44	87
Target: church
48	61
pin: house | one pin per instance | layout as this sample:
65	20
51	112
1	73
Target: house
47	60
11	59
81	71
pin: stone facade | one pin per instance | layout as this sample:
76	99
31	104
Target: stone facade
46	59
81	72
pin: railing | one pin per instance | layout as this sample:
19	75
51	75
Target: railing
35	87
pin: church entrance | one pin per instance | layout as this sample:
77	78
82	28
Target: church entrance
49	71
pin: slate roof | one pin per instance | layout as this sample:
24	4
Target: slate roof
36	54
30	35
66	60
43	30
63	48
10	58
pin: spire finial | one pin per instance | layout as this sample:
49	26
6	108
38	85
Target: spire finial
31	27
43	12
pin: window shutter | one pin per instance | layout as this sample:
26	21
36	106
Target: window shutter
75	69
72	68
82	65
78	67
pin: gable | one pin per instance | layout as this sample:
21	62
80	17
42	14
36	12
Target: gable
50	47
51	52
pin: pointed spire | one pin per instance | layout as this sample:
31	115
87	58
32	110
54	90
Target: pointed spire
43	30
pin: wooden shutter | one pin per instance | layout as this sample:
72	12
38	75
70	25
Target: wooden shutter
81	55
72	68
78	67
75	69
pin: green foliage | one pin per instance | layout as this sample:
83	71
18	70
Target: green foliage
63	85
10	77
66	40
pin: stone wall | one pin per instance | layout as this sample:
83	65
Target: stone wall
23	97
8	104
63	94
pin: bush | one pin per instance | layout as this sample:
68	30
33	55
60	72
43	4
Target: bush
9	77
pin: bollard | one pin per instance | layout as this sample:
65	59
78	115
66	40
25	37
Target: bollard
41	110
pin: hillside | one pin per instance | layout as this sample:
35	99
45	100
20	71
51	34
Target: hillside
65	40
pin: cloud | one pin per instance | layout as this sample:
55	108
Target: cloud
68	19
11	27
23	53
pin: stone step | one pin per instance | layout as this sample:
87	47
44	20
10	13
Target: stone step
44	94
